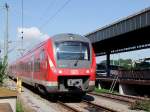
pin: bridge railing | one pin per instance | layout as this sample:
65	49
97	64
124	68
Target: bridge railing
128	74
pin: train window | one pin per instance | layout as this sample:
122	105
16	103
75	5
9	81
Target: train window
29	66
25	67
37	65
42	55
70	50
32	63
22	67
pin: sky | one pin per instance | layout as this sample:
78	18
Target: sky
45	18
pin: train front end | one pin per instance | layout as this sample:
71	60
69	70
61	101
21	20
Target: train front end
73	65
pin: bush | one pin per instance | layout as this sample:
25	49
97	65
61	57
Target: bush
141	105
3	70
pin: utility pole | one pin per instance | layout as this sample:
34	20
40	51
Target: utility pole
6	33
22	32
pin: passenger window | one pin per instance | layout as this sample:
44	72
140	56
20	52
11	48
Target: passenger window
37	65
42	55
29	66
32	63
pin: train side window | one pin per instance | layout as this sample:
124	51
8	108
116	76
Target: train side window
25	66
32	63
42	55
37	65
29	66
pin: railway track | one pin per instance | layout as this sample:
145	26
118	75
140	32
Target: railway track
94	106
122	98
68	107
103	108
86	106
79	106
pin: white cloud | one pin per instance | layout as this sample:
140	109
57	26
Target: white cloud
31	36
31	33
44	37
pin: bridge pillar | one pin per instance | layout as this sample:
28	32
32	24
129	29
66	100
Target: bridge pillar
108	63
125	89
99	86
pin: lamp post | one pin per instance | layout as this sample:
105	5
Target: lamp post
6	33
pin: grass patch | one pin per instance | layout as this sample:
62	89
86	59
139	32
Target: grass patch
141	105
19	107
103	91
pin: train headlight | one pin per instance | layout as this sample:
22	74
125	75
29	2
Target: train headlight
87	71
60	71
93	70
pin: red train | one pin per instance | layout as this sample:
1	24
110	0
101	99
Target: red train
64	63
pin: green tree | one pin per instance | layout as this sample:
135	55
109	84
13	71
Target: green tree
125	63
3	70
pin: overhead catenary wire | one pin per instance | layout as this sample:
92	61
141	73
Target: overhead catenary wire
55	14
50	5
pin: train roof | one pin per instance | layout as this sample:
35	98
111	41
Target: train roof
58	37
69	37
31	50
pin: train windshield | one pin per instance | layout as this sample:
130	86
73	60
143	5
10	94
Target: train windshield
73	50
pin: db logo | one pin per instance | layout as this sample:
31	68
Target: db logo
74	72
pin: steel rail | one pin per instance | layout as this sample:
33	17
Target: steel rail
123	98
68	107
103	108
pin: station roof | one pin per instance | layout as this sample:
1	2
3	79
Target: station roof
126	34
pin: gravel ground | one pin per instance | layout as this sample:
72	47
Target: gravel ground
33	102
